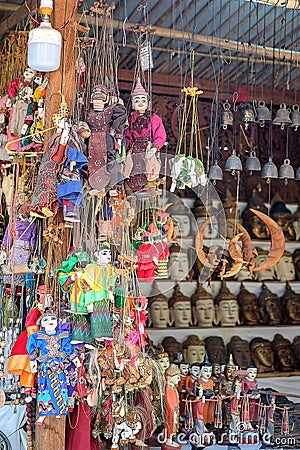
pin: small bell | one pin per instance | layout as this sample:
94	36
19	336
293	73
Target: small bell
263	113
253	163
247	114
226	116
295	117
215	173
233	163
269	170
286	171
282	117
297	177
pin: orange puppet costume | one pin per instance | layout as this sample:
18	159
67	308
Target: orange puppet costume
19	362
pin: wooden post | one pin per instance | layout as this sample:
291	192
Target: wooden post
51	434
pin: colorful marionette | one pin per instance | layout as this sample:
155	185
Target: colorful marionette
55	352
172	375
69	187
163	252
107	122
145	136
147	259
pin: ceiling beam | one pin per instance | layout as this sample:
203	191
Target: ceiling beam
9	6
240	47
16	17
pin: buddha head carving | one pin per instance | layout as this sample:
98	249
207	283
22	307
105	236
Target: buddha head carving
172	347
203	307
262	354
249	308
284	269
227	309
296	261
193	349
291	305
216	349
296	350
267	274
284	358
240	350
201	213
180	309
181	216
255	227
283	217
178	264
270	306
158	309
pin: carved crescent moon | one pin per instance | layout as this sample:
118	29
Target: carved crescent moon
199	244
277	241
245	239
236	253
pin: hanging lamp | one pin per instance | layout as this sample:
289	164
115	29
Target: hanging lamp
44	43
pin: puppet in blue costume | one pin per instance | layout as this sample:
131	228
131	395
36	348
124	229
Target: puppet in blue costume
50	352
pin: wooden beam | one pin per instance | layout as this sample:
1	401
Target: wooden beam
236	46
9	6
16	17
51	435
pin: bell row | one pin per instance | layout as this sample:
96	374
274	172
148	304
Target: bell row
225	310
268	356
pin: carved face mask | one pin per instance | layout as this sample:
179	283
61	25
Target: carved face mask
284	269
228	313
204	313
183	224
194	353
182	313
159	314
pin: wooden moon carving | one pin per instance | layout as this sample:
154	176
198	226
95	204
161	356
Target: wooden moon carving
236	253
245	239
199	245
277	242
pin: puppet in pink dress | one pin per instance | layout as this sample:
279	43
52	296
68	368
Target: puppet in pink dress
145	136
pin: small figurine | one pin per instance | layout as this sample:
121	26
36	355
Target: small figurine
172	375
251	396
147	259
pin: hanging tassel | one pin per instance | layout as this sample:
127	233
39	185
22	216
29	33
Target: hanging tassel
285	428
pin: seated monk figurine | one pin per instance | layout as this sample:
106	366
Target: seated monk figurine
284	358
249	308
262	354
291	305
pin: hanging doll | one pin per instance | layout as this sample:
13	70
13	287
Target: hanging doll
144	138
107	122
147	259
69	188
49	351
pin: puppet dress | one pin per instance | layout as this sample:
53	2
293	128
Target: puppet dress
140	132
102	151
55	353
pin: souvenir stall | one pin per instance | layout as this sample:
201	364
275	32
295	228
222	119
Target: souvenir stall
150	270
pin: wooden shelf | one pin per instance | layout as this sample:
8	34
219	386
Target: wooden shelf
278	374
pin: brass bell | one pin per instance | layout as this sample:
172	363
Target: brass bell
215	173
269	170
263	113
226	116
295	117
286	171
247	114
233	163
282	117
253	163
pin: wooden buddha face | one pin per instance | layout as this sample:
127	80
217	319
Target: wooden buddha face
159	313
204	313
284	358
284	269
216	350
262	355
240	350
270	307
249	308
296	350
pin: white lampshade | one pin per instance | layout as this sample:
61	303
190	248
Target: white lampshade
44	48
